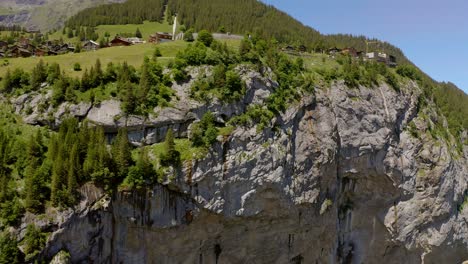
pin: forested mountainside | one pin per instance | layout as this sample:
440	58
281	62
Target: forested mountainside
234	16
267	22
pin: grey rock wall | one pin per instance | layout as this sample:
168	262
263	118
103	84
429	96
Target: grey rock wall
339	180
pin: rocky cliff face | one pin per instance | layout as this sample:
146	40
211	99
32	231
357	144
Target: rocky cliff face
44	14
339	179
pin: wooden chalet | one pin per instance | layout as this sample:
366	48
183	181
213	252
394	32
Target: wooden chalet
40	53
3	44
382	57
90	45
350	51
17	52
302	48
392	62
159	37
118	41
333	51
64	48
29	47
23	41
136	40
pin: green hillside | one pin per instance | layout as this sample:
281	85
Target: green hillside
146	28
133	55
234	16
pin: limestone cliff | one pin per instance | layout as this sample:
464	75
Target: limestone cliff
338	179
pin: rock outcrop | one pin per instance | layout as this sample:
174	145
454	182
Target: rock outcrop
338	180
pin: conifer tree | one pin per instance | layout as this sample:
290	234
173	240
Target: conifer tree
138	33
9	251
35	187
58	185
70	33
121	153
170	155
53	73
73	171
39	75
7	82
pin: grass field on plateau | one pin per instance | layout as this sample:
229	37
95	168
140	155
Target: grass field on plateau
133	55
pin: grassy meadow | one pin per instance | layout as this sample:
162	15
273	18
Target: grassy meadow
146	29
133	55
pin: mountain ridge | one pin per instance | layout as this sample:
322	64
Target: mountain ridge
43	15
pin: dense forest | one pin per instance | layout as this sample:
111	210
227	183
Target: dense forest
131	12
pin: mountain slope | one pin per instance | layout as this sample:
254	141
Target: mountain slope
243	16
43	14
240	16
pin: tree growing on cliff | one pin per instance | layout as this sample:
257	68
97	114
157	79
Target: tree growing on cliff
34	241
121	153
9	251
170	156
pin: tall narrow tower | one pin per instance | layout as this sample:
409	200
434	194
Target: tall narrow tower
174	28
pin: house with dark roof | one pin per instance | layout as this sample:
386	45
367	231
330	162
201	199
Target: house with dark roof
159	37
17	52
136	40
3	45
119	41
350	51
90	45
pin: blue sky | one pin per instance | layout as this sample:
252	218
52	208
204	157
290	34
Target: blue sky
432	34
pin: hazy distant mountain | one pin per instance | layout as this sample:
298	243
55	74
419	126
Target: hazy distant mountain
43	14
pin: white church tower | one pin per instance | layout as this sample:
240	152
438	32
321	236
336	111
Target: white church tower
174	28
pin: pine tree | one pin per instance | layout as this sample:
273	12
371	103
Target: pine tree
144	164
73	171
39	75
85	81
58	185
35	187
9	251
34	241
53	73
70	33
170	155
145	84
157	53
128	97
121	153
138	33
7	84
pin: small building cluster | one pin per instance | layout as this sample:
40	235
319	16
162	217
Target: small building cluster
382	57
24	48
292	49
160	37
120	41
